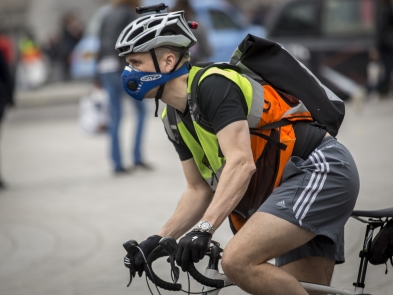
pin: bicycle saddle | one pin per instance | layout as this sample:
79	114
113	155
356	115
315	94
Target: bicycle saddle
388	212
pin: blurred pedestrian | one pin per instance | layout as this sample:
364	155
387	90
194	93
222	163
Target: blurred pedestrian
374	73
6	89
51	49
384	36
109	68
32	70
202	50
71	33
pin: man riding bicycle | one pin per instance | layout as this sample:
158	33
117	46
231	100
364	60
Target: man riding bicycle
301	222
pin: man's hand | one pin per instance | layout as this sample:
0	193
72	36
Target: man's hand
192	247
147	247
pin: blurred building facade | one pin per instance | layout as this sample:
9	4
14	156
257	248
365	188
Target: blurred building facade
250	7
42	16
42	21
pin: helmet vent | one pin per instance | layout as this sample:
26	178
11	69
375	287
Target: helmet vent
135	33
123	49
171	30
126	33
145	39
154	23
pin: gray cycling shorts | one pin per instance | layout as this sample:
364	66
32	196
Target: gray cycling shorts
318	194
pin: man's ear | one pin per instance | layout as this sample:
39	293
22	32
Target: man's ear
170	62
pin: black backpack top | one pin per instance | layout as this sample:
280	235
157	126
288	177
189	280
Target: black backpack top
267	60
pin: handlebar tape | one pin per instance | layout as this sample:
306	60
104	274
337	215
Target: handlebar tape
202	279
154	278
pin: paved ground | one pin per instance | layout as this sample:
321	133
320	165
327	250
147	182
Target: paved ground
64	217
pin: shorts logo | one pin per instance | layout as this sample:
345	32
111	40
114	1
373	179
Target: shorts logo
281	204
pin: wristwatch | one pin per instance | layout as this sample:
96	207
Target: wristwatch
204	226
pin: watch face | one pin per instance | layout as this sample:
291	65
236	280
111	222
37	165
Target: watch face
205	226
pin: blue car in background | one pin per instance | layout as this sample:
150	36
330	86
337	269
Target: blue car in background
224	24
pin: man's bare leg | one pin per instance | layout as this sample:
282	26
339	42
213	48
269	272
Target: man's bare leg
264	237
318	270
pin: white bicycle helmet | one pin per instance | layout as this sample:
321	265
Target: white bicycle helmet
155	30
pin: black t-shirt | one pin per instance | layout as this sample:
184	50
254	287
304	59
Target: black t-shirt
222	102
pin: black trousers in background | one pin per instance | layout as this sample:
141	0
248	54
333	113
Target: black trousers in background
387	61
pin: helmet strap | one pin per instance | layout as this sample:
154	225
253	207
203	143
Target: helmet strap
161	88
155	61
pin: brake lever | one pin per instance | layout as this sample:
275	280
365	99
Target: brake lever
131	248
170	246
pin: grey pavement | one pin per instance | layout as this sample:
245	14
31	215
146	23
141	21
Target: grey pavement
64	216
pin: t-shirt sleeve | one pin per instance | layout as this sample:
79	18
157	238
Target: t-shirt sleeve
221	101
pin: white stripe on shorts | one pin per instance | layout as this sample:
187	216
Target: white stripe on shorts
319	174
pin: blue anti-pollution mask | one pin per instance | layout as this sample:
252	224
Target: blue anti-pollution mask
137	83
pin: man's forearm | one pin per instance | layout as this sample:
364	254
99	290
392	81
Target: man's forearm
189	211
232	186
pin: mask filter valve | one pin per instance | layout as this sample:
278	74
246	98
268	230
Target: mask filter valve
132	85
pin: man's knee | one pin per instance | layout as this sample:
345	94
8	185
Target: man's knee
228	262
232	261
235	262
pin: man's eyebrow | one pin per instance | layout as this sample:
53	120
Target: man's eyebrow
132	59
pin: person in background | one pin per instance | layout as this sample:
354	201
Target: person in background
374	73
384	42
6	81
109	69
71	33
202	50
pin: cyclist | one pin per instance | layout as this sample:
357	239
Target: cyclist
300	224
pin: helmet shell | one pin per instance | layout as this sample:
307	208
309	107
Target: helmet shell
155	30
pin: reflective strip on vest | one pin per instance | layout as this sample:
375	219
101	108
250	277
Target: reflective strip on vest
168	127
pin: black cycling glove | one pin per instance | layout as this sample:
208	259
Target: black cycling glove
192	248
147	247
